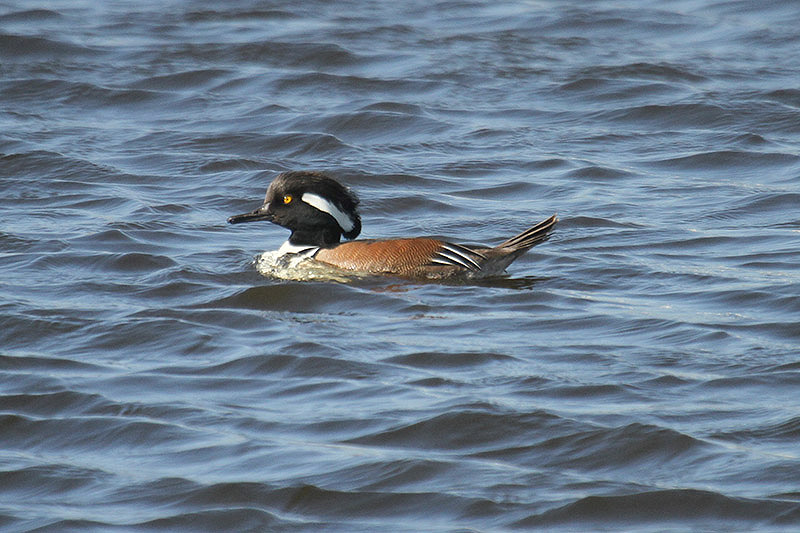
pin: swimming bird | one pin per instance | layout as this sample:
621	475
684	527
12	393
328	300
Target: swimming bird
319	211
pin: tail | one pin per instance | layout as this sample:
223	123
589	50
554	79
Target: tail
530	237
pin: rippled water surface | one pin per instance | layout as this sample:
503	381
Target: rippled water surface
640	371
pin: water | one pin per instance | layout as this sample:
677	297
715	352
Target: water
637	372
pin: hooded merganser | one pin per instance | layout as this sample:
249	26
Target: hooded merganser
319	211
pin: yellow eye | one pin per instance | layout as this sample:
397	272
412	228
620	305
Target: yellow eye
287	199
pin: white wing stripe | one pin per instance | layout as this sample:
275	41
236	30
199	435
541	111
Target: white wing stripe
462	250
458	259
460	256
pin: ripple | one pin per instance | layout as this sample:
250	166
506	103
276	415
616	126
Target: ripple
294	366
106	262
78	433
447	360
30	15
789	97
235	13
682	507
188	80
629	447
725	159
465	430
77	93
699	115
309	83
376	126
307	297
787	430
51	364
651	71
17	46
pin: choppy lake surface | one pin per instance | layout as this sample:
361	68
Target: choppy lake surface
640	371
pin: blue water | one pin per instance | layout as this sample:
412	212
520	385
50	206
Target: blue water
637	372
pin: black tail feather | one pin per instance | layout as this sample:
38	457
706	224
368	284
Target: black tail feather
532	236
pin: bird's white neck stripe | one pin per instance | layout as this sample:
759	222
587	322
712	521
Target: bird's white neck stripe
315	200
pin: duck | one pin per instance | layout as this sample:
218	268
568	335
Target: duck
319	211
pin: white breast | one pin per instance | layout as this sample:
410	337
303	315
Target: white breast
289	248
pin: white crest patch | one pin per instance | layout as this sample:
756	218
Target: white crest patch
315	200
